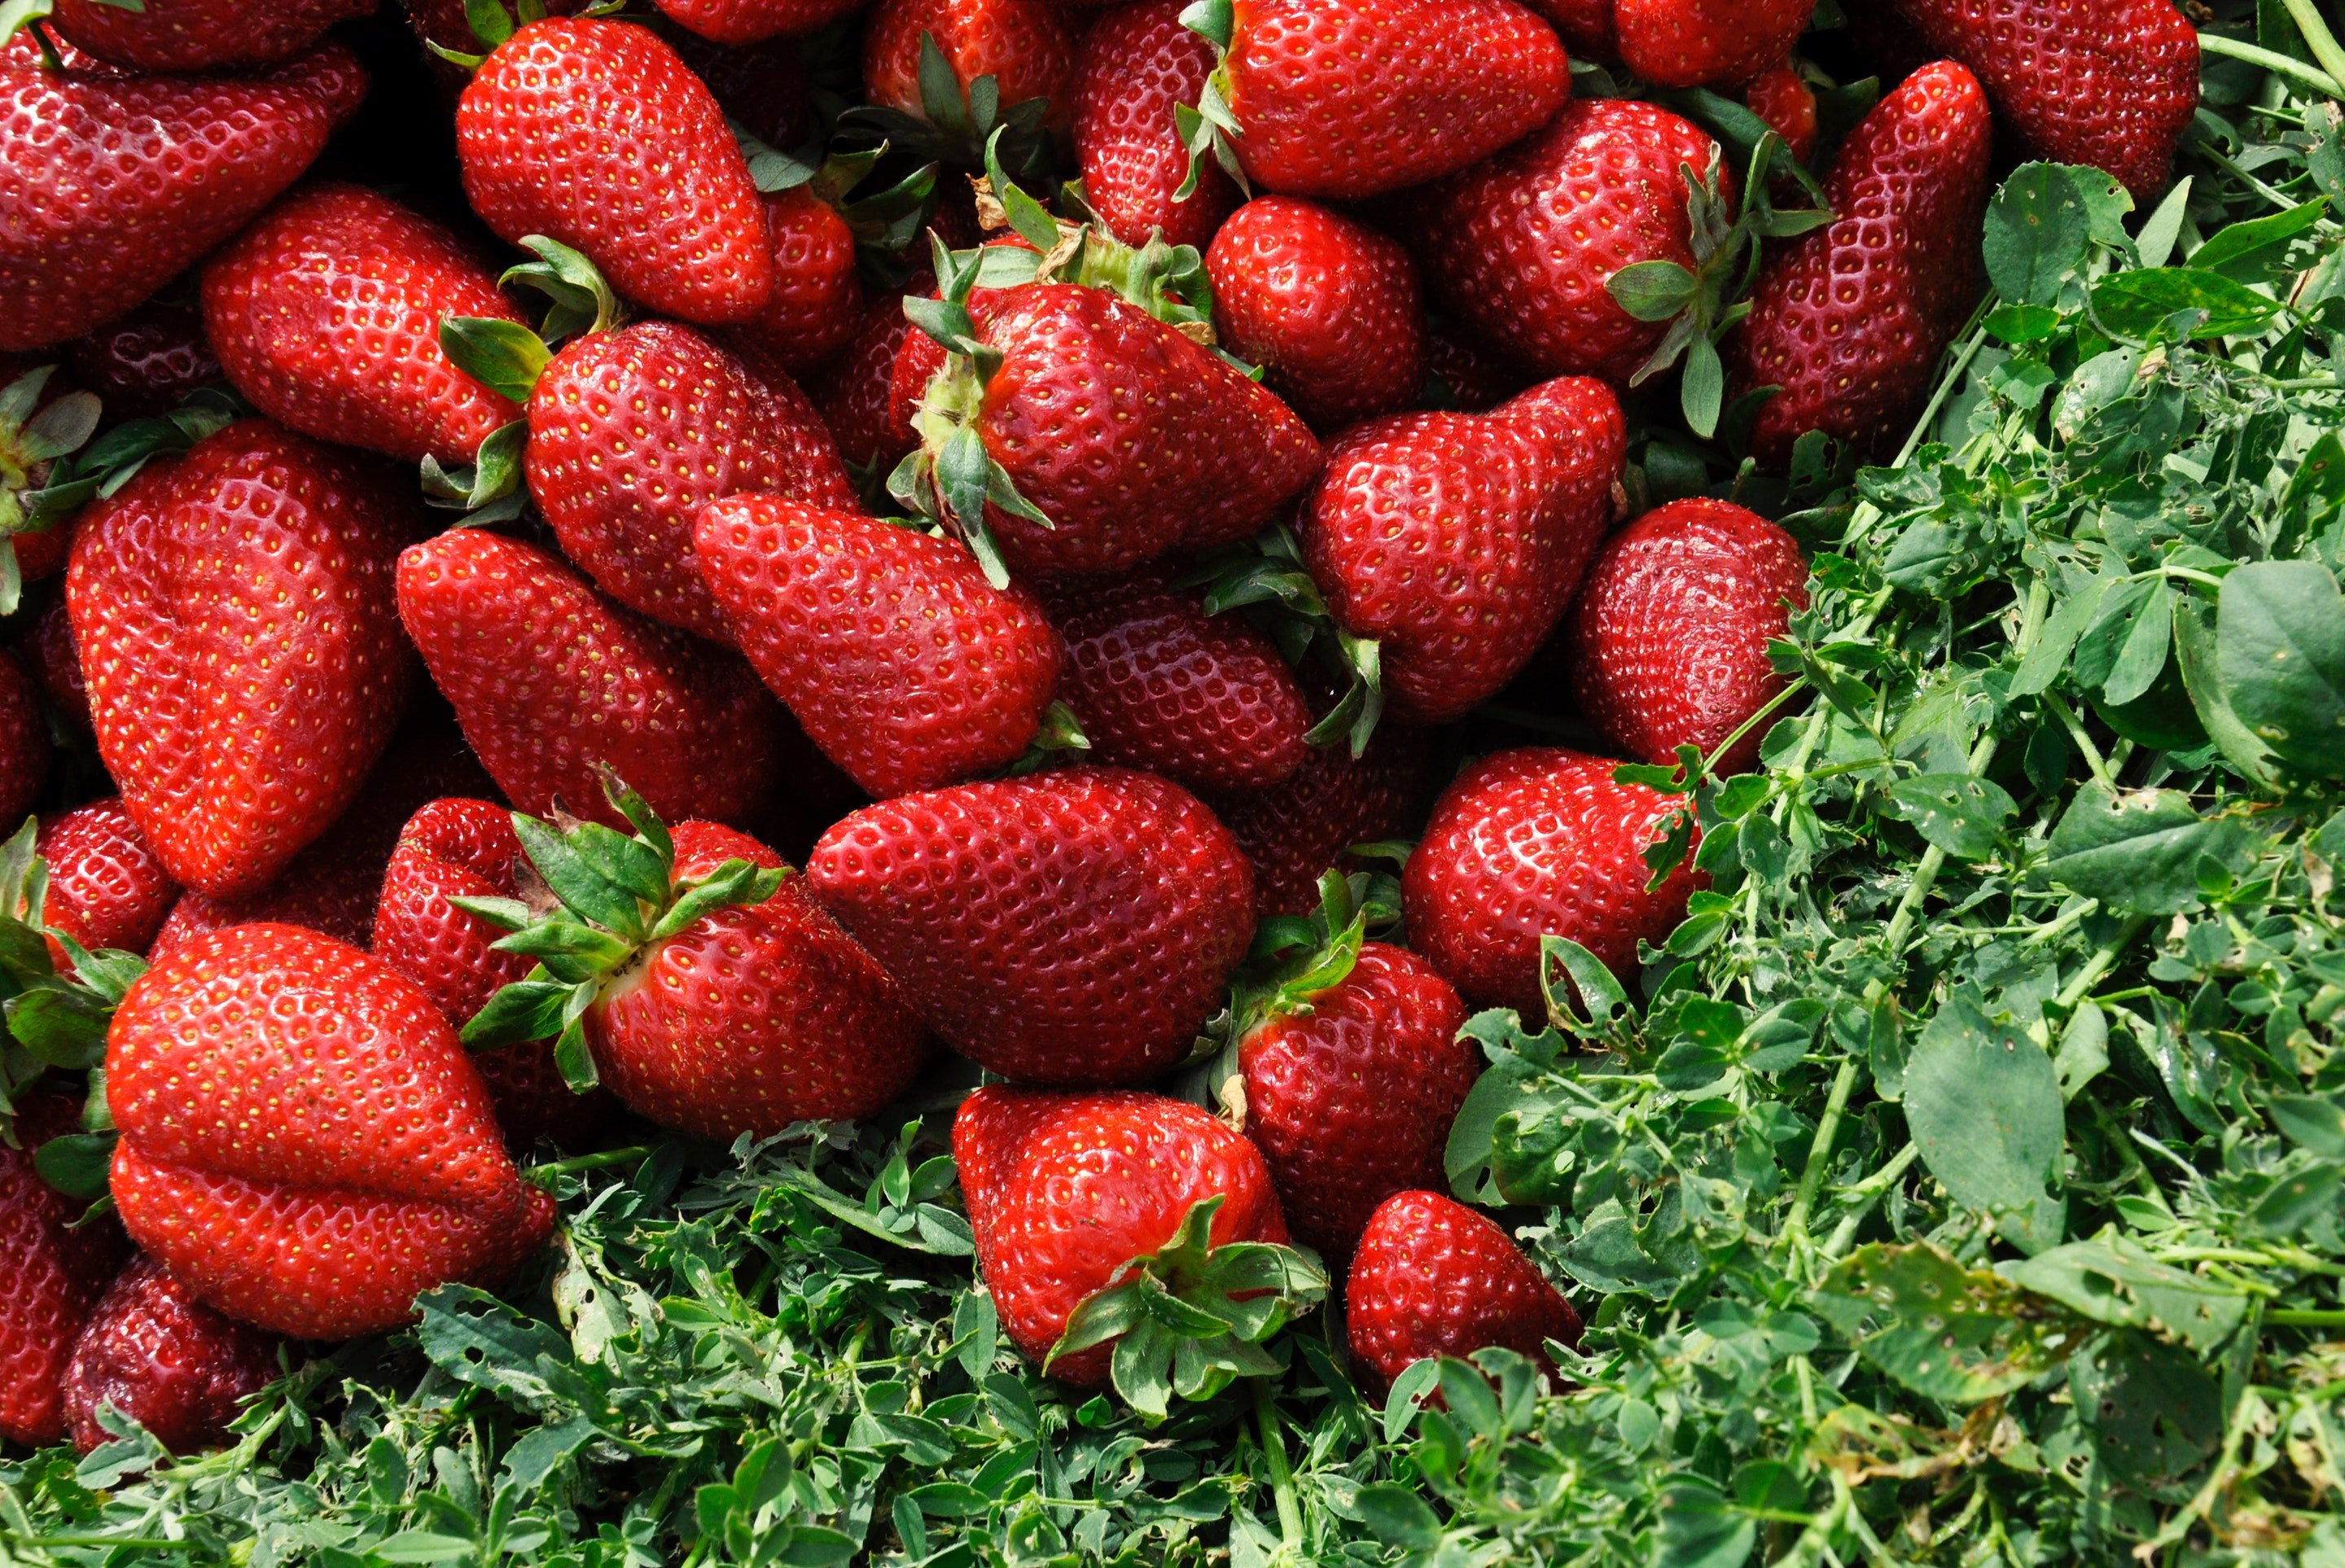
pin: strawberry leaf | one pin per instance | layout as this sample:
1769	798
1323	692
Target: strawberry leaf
505	357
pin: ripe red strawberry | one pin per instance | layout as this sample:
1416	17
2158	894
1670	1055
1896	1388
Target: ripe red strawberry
1074	927
818	304
1692	43
1781	97
153	1352
198	35
1669	642
1296	832
858	394
1538	842
753	21
24	745
108	888
55	1270
2108	82
1350	1090
1159	684
1521	248
548	678
111	184
1850	319
899	660
1584	25
1027	46
327	312
595	134
1330	309
143	362
56	666
1433	1278
1457	540
1138	65
245	590
1347	98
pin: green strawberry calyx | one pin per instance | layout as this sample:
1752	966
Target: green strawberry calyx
1191	1318
1264	577
1210	127
965	127
606	897
491	24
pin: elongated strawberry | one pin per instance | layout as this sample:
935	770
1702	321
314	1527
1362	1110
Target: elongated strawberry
1330	309
243	589
595	134
1131	905
145	361
1690	43
1538	842
1138	68
1669	641
1850	319
1027	46
108	888
1433	1278
817	305
153	1352
753	21
1457	540
549	679
1297	831
56	1271
198	35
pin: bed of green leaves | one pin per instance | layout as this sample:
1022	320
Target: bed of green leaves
1964	1185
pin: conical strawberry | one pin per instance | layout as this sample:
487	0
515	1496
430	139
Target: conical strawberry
1138	66
56	1271
153	1352
198	35
1027	46
858	391
1433	1278
108	888
818	304
1296	832
1781	97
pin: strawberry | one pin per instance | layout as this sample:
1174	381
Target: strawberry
1027	46
1585	26
900	661
25	744
761	87
818	304
1850	319
1158	683
1521	248
108	888
327	312
242	590
56	1271
144	361
56	668
198	35
153	1352
447	25
1457	540
1294	832
1128	904
1139	66
595	134
1782	98
1536	843
45	422
548	678
110	186
1330	309
1467	374
858	391
2108	82
1692	43
1668	643
306	1192
1342	99
1433	1278
753	21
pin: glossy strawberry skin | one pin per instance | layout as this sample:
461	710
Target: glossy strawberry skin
1669	640
898	658
549	678
1521	246
1533	843
108	888
1027	46
1070	929
1433	1278
1458	539
1351	1101
1692	43
24	746
560	133
1138	65
55	1273
199	34
1299	830
1850	319
2110	84
632	432
818	304
144	361
1781	97
307	1193
156	1354
111	184
245	589
858	392
1159	684
326	314
1340	99
1063	1190
1330	309
753	21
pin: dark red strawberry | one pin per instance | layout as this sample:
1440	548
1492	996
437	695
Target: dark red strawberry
1329	307
1457	540
1027	46
1781	97
1669	642
143	363
198	35
1850	319
54	1268
1468	374
24	745
762	87
1138	66
1691	43
1534	842
752	21
857	393
1584	25
154	1353
1433	1278
818	304
55	664
1074	927
108	888
1295	833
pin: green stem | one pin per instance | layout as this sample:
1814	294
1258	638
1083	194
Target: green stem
1866	1193
1282	1479
576	1163
2299	1318
2320	41
1811	1180
2083	741
2310	77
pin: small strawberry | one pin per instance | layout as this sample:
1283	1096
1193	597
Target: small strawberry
1692	43
142	363
1296	832
1433	1278
549	679
56	667
1139	66
1584	25
56	1271
108	888
1848	320
739	21
1027	46
858	391
242	590
24	745
595	134
818	304
1129	903
198	35
1538	842
1457	540
1669	641
1330	309
1782	99
153	1352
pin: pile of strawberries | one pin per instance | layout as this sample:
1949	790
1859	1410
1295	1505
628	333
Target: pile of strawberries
1071	576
